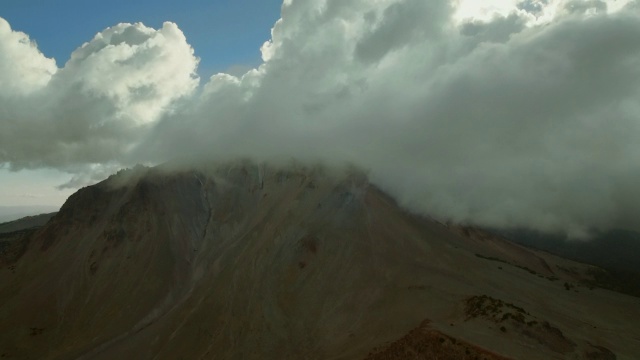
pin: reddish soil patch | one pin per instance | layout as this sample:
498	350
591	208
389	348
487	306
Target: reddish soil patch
426	343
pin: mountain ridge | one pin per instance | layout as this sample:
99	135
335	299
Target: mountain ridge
254	261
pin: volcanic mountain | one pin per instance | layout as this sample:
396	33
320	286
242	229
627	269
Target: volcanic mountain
249	261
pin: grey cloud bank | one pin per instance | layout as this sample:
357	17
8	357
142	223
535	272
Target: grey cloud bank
503	122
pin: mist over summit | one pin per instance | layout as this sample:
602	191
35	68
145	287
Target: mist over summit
524	119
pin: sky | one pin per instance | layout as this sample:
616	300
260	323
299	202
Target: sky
223	34
502	113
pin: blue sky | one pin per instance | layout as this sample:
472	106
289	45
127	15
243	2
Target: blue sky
224	33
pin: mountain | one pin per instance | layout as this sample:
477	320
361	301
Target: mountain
14	236
11	213
247	261
613	249
26	222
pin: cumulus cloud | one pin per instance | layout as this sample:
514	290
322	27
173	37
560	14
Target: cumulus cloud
23	68
528	117
94	109
138	70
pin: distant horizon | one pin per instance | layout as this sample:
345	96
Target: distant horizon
11	213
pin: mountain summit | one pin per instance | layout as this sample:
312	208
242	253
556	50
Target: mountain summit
247	261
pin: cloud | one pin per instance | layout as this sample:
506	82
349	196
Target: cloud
138	70
23	69
500	121
93	109
586	6
30	195
535	7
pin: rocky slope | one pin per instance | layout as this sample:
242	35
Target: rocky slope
245	261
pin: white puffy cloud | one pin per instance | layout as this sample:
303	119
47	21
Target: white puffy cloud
525	117
137	69
93	109
23	69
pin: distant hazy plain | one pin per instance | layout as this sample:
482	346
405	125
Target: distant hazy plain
9	213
